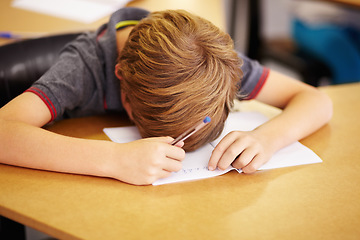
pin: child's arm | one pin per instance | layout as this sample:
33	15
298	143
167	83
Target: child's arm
305	110
24	143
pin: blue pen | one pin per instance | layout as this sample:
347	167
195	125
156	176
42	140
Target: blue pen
191	131
20	35
8	35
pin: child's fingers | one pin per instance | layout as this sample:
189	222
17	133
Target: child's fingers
221	155
214	159
169	140
172	165
234	152
245	157
175	153
162	139
169	166
254	165
216	156
180	144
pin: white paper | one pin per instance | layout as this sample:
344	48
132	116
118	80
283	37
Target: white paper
85	11
195	163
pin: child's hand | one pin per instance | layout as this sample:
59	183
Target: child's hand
242	150
144	161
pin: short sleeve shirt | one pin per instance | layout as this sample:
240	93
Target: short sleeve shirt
82	82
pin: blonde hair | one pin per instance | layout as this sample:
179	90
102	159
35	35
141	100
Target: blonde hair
178	68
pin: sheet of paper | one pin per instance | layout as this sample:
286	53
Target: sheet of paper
85	11
195	163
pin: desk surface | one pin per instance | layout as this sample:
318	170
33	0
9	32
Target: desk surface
349	3
303	202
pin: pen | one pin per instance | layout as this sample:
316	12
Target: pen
27	35
20	35
191	131
8	35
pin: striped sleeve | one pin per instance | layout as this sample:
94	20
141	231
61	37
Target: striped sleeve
254	78
256	90
46	100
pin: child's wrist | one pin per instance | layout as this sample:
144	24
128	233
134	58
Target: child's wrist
269	141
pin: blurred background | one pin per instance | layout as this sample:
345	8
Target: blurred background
314	41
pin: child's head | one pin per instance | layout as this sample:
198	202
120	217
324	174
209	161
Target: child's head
176	69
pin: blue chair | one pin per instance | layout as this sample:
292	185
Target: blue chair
338	47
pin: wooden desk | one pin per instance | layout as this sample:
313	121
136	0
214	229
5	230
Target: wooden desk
349	3
318	201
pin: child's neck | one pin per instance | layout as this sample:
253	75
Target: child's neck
122	36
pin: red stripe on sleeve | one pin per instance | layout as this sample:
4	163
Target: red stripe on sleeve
259	85
45	99
101	34
105	103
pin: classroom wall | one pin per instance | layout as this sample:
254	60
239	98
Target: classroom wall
276	18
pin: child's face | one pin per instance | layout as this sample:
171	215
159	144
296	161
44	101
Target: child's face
124	102
126	105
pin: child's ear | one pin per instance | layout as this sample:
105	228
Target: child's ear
117	66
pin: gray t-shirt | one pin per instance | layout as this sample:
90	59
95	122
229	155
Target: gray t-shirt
82	82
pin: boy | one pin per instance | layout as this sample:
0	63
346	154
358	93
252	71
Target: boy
173	69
